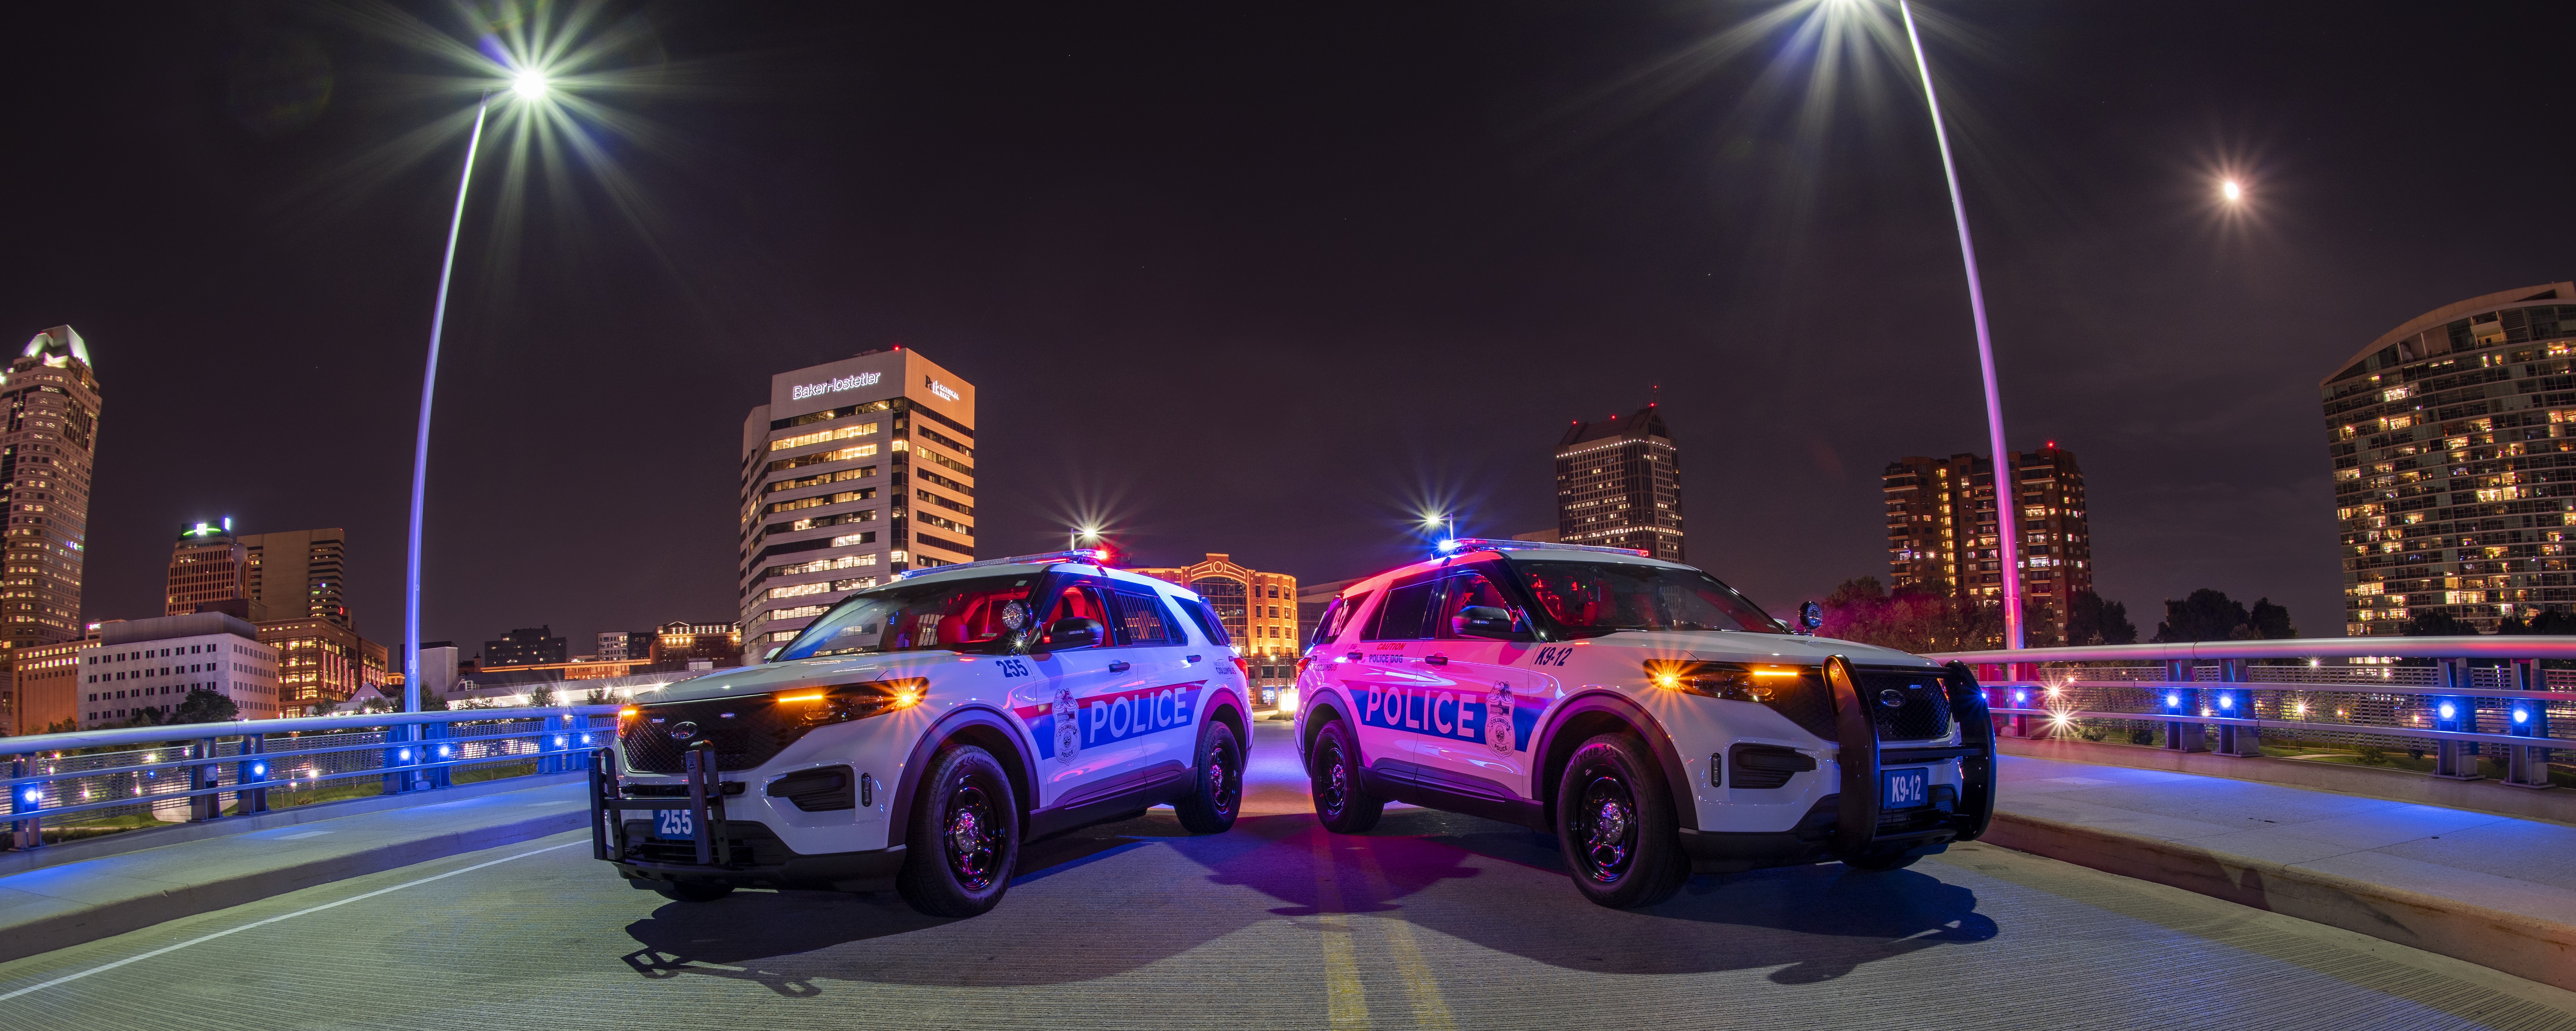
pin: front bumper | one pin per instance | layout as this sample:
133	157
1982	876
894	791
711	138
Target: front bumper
741	853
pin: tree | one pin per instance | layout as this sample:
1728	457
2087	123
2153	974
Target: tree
2271	622
542	696
204	706
2437	623
2204	615
2543	622
1918	618
2090	620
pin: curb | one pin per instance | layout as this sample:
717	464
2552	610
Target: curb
2516	944
92	923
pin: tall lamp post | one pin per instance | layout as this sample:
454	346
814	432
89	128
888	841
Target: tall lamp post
528	84
2007	479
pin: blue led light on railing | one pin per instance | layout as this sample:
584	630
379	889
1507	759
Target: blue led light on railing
2448	711
2227	701
2173	701
258	770
31	796
444	751
585	739
2522	715
559	741
405	755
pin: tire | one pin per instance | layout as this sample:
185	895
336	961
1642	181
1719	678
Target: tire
1216	794
1333	781
1880	862
690	891
964	838
1614	823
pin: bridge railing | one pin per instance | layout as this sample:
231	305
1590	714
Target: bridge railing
193	772
2457	699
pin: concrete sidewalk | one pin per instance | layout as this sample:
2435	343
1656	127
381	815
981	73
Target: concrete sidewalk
2494	890
69	903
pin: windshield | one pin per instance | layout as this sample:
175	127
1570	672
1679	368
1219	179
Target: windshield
1588	597
943	614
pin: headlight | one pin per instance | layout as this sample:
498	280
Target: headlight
1730	680
818	706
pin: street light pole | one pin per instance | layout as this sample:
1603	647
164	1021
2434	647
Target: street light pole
2007	478
420	445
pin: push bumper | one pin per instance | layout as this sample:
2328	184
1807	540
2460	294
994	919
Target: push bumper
741	853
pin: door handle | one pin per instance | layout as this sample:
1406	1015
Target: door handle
1193	658
1437	660
1118	667
1355	656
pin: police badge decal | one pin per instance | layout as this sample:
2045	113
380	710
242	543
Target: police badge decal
1068	726
1498	719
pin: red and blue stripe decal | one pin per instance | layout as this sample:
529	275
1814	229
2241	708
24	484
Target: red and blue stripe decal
1118	716
1450	714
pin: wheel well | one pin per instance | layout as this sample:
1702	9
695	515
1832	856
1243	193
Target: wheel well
1005	751
1230	714
1561	743
1323	713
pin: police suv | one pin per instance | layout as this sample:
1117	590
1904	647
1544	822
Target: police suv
918	733
1653	719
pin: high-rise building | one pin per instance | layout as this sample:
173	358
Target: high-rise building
295	574
1941	529
206	568
1259	609
2447	435
1619	485
623	645
526	646
45	455
43	692
854	471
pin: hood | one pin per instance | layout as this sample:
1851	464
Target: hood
787	676
1742	647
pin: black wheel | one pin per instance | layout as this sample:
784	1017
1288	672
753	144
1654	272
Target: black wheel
965	836
1880	862
1212	803
689	891
1343	806
1614	822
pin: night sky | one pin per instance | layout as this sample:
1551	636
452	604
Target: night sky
1263	279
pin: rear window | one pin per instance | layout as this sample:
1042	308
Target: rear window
1141	619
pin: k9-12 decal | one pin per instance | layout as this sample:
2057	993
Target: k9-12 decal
1501	718
1552	655
1108	719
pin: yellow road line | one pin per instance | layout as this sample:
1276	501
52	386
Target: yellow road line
1342	991
1430	1007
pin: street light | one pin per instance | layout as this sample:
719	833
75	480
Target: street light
1446	522
530	86
2232	191
2007	481
1073	538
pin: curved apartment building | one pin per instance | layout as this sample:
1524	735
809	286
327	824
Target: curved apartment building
2453	438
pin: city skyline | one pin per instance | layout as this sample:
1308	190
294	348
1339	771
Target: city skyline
1058	242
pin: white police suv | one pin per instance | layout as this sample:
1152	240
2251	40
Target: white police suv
918	733
1653	719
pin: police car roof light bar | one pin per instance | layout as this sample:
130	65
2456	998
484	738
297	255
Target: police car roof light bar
1488	544
1086	556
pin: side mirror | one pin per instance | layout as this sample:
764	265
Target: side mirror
1074	632
1810	616
1483	621
772	654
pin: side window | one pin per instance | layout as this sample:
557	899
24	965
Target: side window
1400	618
1210	626
1465	591
1335	623
1326	623
1141	619
1078	601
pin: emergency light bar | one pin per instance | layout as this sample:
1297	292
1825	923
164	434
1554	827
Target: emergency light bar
1486	544
1086	556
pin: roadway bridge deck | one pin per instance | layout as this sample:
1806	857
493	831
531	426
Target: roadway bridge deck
1434	920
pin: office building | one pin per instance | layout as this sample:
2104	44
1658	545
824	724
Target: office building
322	663
1259	609
526	646
1619	485
295	575
154	664
676	646
854	471
624	645
45	453
43	692
2447	436
1941	529
206	569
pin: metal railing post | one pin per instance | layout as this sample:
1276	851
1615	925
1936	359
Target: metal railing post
2527	766
205	774
253	769
28	831
2016	672
399	755
2182	735
433	750
2238	703
549	753
2455	760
